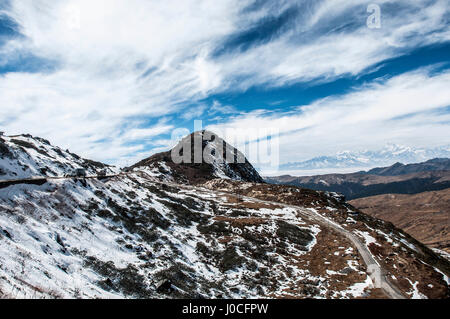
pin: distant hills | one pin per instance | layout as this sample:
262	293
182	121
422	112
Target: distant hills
414	197
391	153
437	164
431	175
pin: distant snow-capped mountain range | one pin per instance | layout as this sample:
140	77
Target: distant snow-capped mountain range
388	155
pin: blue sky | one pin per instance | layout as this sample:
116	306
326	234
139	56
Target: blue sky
112	80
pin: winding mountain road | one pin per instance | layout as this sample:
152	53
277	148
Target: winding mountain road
375	271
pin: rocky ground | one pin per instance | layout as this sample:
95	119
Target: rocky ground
150	232
127	236
426	216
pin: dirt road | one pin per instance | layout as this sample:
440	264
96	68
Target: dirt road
376	273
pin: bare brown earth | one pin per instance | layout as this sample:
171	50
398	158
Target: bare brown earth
425	216
398	253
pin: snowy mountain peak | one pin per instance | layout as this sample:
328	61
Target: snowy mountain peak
388	155
199	157
397	149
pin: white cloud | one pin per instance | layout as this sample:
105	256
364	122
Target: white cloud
118	62
121	60
406	109
302	55
146	133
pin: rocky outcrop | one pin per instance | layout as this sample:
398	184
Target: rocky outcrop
202	156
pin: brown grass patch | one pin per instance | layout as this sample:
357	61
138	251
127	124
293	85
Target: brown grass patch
225	239
242	222
251	205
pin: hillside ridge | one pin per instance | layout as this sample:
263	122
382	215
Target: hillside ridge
137	234
218	159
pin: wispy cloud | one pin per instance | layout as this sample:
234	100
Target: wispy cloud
110	64
323	47
407	109
124	59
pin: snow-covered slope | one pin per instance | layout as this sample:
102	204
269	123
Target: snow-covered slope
25	156
138	235
218	160
126	236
